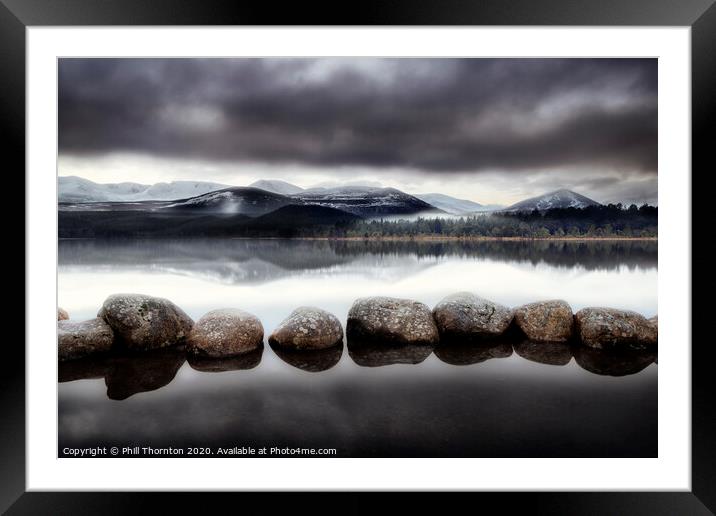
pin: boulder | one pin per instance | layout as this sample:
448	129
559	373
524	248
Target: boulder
609	328
62	314
224	333
545	321
308	328
465	314
143	322
388	320
80	339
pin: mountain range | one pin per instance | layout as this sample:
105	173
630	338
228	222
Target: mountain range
266	196
78	189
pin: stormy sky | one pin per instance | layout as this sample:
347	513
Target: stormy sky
491	130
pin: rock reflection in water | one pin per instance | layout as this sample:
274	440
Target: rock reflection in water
461	352
219	365
371	354
149	371
311	360
550	353
126	375
89	368
612	362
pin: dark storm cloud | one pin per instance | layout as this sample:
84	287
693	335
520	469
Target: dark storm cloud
427	114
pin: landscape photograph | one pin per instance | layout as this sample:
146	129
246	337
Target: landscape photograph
357	257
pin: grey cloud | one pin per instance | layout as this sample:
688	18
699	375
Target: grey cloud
440	115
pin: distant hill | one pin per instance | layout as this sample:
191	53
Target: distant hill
242	200
557	199
79	190
303	215
366	201
454	205
276	186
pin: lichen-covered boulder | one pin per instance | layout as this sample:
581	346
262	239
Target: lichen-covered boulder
145	322
393	321
610	327
80	339
466	315
62	314
225	332
546	321
308	328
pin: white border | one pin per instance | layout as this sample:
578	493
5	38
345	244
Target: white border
670	471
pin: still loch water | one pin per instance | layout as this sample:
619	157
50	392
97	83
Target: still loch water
502	400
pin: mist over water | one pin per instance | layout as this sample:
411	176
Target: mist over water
272	277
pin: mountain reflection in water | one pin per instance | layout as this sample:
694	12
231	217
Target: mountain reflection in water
257	261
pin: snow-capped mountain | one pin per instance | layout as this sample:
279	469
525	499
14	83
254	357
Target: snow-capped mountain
78	189
344	184
454	205
360	201
366	201
557	199
276	186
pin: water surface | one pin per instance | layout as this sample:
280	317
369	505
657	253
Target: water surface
510	399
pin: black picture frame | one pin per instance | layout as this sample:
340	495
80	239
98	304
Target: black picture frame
700	15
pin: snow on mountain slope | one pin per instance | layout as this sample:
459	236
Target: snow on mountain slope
557	199
454	205
78	189
236	200
276	186
366	201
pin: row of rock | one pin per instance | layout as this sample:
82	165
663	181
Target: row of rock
465	315
141	322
